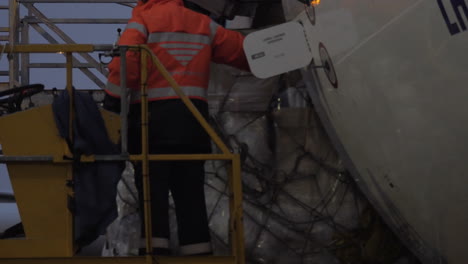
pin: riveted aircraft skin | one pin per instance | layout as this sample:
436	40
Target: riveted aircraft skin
392	94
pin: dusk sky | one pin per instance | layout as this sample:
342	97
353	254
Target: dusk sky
82	33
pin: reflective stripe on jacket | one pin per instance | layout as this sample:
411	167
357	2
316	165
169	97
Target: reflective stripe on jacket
185	42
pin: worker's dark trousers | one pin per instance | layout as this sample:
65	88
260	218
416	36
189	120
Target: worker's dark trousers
185	181
174	130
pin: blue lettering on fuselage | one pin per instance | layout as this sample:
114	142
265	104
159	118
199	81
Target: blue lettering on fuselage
460	8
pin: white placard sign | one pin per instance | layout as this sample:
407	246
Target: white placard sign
277	50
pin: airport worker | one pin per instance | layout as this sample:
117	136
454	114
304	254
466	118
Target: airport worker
186	42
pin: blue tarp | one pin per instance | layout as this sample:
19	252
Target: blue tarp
95	184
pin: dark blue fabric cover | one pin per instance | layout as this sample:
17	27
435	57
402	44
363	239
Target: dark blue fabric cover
95	184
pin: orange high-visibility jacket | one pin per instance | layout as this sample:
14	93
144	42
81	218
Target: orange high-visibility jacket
184	41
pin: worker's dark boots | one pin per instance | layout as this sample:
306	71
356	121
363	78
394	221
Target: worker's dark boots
196	249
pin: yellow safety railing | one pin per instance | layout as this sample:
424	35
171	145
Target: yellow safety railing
236	230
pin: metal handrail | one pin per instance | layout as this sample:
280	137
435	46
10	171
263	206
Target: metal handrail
235	184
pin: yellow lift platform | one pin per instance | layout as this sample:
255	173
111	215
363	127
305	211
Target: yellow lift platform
34	154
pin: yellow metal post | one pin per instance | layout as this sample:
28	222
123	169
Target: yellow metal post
49	48
71	118
70	95
145	154
236	227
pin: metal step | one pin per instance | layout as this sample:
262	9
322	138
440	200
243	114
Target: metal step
4	7
4	29
4	38
3	73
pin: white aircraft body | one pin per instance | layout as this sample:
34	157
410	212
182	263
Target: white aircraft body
393	95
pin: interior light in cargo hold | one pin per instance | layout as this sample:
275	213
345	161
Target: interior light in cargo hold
310	2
